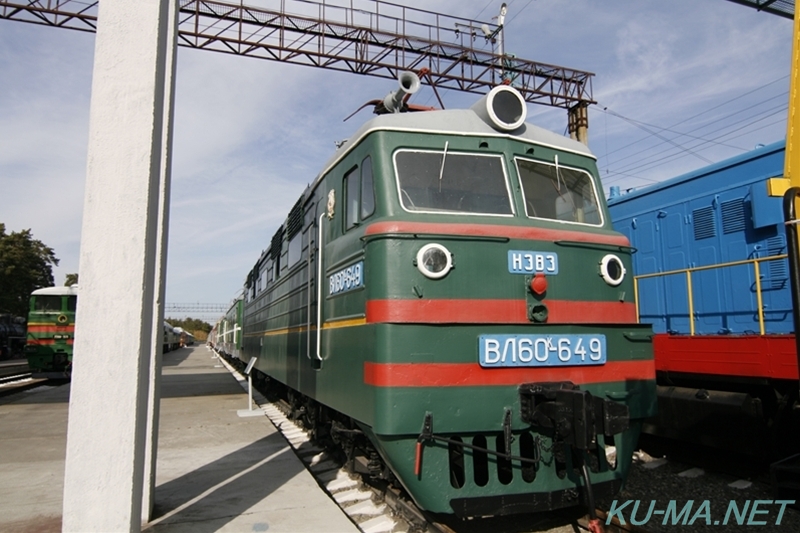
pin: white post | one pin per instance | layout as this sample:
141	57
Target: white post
250	411
501	21
157	342
105	458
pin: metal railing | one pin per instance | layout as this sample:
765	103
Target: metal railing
688	273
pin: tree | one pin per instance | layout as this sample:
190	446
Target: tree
26	264
72	279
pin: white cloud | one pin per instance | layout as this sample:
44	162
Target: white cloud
250	134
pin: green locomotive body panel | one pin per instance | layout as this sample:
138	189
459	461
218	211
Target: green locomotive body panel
399	346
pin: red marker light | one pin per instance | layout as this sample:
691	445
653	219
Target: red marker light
539	284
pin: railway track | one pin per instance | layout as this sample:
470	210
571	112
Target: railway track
9	369
16	383
14	378
378	507
722	491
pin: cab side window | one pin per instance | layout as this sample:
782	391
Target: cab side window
359	193
367	189
352	192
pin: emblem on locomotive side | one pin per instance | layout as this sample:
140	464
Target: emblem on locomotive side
331	203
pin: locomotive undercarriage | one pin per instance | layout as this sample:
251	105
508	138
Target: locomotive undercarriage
752	416
338	433
553	444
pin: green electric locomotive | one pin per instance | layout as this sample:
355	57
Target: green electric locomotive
51	332
449	300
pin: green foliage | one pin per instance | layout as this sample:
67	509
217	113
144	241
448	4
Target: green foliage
72	279
198	328
26	264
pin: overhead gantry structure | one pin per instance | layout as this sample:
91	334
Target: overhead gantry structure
376	39
197	308
782	8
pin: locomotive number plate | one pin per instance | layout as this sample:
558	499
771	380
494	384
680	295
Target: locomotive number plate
347	279
541	350
522	262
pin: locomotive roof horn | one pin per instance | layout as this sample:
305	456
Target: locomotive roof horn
409	84
397	102
503	108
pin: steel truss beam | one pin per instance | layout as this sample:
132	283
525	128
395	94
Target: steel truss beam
197	308
782	8
380	41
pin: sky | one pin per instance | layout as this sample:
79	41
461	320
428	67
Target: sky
679	85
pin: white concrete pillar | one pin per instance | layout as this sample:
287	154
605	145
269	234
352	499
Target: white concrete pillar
111	370
157	342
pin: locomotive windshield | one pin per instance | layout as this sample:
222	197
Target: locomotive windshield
44	304
558	193
452	182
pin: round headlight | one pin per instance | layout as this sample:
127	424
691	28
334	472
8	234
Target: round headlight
506	108
503	108
611	270
434	261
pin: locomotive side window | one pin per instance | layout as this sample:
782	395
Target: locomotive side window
47	304
367	189
351	191
558	193
359	193
452	182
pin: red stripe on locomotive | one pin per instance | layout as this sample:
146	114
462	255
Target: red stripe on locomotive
491	230
472	374
466	311
50	328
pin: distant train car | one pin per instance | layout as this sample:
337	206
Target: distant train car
12	336
51	331
450	286
229	330
211	339
172	340
184	337
713	280
187	339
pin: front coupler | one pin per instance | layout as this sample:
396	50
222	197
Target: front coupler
575	416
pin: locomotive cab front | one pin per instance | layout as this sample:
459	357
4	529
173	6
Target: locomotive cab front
506	351
450	286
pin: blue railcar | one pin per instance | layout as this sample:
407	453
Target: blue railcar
718	214
712	277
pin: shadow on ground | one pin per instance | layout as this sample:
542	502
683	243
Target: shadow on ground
211	496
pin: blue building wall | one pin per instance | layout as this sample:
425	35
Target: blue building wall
717	214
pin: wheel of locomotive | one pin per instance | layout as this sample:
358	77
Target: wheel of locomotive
310	414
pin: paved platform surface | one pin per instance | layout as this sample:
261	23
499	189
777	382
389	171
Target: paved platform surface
216	470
